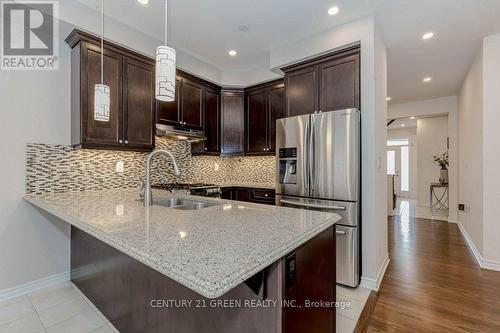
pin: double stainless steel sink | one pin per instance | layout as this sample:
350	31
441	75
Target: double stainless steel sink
183	204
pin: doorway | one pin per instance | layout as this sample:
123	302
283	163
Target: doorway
398	165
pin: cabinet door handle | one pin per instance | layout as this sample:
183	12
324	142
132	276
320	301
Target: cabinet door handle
205	148
120	141
126	142
340	232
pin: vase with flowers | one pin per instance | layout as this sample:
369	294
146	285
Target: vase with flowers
443	162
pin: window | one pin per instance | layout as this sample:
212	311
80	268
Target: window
391	162
397	142
405	169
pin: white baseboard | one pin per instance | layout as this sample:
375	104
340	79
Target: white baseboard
374	284
32	286
483	263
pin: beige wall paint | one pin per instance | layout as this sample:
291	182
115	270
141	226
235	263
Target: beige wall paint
470	152
432	134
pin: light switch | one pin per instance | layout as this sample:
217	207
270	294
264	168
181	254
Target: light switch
120	166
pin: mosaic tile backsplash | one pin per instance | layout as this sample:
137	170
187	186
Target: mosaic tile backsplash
60	168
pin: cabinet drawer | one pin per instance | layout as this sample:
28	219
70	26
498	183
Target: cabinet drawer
262	195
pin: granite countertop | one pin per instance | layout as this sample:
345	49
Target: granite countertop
210	250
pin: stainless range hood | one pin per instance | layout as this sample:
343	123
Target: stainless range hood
179	133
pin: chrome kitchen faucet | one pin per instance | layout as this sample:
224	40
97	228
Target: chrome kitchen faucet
148	194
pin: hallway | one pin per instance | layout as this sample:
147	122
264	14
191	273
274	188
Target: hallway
433	283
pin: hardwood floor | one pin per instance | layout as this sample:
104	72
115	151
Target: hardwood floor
433	283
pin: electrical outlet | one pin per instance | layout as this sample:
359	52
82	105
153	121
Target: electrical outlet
120	167
119	210
216	166
461	207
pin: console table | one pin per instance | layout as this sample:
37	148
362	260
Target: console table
442	201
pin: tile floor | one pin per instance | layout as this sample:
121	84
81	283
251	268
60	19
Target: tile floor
347	318
408	207
63	308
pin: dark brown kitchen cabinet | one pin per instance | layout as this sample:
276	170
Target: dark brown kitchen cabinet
192	104
187	109
232	122
265	104
130	77
256	121
339	83
139	100
248	194
211	120
169	113
276	100
211	114
301	91
92	133
325	84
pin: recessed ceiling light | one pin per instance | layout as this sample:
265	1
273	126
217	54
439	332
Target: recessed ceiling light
403	125
333	10
428	35
427	79
388	99
412	118
232	53
143	2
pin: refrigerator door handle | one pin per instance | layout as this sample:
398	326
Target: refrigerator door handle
298	204
339	232
305	162
311	155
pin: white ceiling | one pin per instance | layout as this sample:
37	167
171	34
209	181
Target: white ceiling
207	29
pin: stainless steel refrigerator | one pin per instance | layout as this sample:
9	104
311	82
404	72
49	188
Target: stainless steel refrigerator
318	168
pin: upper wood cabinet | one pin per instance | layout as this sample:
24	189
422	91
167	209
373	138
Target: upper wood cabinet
130	77
325	84
232	122
187	109
169	113
265	104
211	122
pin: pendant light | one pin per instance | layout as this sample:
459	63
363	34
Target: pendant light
165	69
101	91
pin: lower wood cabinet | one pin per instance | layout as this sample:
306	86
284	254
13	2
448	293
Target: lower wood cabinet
257	195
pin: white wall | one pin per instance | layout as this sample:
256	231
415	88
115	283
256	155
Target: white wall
34	108
373	127
470	152
411	135
428	107
491	148
432	135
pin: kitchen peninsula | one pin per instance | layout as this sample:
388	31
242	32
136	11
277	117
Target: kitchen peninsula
133	261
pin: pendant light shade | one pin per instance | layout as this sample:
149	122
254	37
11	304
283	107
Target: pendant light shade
165	69
101	102
102	91
165	74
